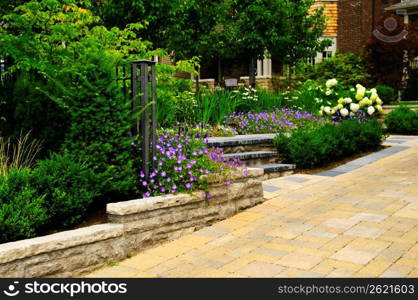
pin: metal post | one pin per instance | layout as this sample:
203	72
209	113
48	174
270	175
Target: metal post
145	119
154	114
134	88
143	126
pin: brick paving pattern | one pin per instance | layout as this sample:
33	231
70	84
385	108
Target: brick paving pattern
363	223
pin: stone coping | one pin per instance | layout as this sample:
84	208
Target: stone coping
160	202
57	241
249	139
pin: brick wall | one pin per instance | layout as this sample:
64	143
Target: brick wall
356	22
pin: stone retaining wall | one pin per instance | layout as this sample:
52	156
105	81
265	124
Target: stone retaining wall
133	226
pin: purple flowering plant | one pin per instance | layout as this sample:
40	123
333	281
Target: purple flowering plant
278	121
181	161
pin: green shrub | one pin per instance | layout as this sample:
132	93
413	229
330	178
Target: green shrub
410	93
22	209
312	148
68	187
402	120
386	93
99	132
348	69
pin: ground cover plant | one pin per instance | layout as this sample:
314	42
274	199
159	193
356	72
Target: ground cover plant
181	161
280	120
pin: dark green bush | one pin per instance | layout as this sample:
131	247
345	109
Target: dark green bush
402	120
386	93
349	69
312	148
22	209
68	187
410	93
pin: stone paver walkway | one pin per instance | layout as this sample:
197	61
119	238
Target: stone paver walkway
363	223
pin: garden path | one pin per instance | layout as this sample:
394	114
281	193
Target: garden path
360	221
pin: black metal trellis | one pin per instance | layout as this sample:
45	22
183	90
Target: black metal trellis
141	84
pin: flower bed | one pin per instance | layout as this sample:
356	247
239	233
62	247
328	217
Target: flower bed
283	120
180	163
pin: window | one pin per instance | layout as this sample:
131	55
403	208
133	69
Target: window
326	54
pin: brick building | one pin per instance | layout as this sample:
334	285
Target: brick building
357	21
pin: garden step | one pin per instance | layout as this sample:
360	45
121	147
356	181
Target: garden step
254	158
274	168
238	140
277	170
244	143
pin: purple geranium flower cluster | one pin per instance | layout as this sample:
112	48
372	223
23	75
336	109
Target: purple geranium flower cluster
359	115
180	162
281	120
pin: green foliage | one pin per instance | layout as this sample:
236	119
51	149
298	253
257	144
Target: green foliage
313	148
402	120
309	96
22	209
386	93
176	101
268	101
286	29
214	107
411	90
19	154
69	188
348	69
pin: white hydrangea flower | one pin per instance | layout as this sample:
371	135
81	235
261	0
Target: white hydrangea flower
373	91
354	107
327	110
331	83
374	96
379	101
344	112
328	92
379	108
371	110
340	101
348	100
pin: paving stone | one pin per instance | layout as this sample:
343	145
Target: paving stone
296	179
354	256
363	231
300	261
340	223
330	173
213	231
269	188
368	217
397	141
397	271
260	269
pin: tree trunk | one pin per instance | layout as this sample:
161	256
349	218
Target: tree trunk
219	70
252	76
198	80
